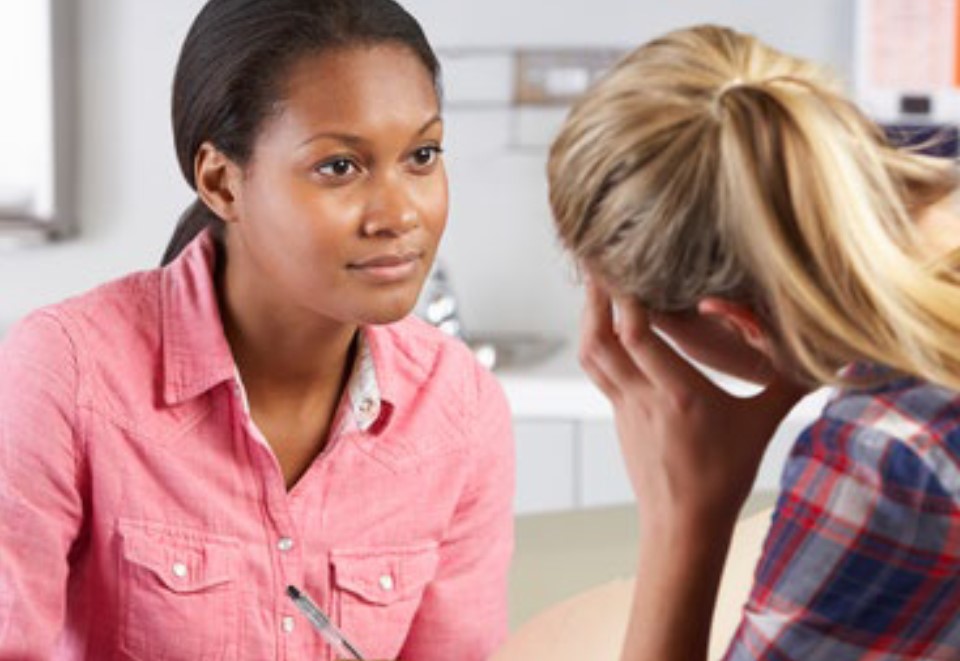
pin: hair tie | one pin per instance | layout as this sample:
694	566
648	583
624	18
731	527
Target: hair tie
722	91
730	84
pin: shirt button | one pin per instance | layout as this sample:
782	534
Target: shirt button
386	582
366	406
285	544
179	569
287	624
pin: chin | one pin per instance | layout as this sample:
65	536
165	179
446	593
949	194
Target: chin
387	312
382	318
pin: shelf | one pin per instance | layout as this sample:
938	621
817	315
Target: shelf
22	232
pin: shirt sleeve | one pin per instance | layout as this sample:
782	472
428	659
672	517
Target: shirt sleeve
863	557
40	506
463	614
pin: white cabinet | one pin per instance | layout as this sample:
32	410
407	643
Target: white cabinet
568	456
601	476
568	464
545	466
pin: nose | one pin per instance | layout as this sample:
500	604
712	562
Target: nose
392	208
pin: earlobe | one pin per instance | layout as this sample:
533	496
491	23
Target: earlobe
217	180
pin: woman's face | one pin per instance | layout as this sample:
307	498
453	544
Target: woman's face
341	207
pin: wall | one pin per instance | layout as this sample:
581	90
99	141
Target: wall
499	246
128	188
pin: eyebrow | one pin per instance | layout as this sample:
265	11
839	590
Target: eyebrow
352	139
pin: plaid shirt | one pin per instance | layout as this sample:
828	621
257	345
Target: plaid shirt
863	556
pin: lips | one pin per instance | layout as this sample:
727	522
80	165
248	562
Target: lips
387	260
387	268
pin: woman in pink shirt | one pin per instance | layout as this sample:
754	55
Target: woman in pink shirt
179	446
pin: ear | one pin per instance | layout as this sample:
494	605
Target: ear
738	317
218	181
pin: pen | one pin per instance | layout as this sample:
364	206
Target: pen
322	623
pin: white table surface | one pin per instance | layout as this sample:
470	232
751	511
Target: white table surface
558	389
554	389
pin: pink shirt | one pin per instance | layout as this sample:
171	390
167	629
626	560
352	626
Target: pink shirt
142	515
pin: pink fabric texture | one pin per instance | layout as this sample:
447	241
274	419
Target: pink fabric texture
142	516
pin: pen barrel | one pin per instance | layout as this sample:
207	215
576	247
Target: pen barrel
323	625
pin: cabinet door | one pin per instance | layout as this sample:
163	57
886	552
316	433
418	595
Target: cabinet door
545	466
602	478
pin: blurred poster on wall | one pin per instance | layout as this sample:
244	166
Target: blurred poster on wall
908	59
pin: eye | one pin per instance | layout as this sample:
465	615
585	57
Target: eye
424	157
337	168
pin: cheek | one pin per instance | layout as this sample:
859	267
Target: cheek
298	238
435	206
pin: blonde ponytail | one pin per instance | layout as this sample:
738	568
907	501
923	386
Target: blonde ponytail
708	164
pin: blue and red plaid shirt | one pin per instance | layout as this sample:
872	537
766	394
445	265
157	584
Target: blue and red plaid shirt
862	561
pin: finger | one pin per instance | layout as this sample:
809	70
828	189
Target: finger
591	331
653	356
596	336
600	379
597	312
600	350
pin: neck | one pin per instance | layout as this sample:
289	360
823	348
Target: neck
282	349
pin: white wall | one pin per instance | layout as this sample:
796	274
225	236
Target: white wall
127	184
499	245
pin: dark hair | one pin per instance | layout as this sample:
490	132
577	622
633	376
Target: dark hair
231	73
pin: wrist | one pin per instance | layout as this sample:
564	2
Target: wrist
681	522
679	566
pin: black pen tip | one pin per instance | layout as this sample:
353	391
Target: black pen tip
293	592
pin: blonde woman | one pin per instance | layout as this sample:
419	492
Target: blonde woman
726	195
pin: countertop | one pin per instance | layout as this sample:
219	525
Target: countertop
553	389
558	389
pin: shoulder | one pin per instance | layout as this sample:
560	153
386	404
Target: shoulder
438	381
422	349
425	344
872	485
38	354
109	309
902	438
112	329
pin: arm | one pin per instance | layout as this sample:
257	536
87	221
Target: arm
463	614
692	452
862	559
40	507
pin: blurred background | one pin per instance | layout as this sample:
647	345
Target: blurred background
127	192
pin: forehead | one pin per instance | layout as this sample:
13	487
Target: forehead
358	84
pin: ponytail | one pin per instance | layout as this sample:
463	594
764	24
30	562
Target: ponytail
708	164
823	212
196	218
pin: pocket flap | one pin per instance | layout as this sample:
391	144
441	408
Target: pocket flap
183	561
385	575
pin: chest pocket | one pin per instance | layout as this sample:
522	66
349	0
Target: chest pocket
377	592
178	593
